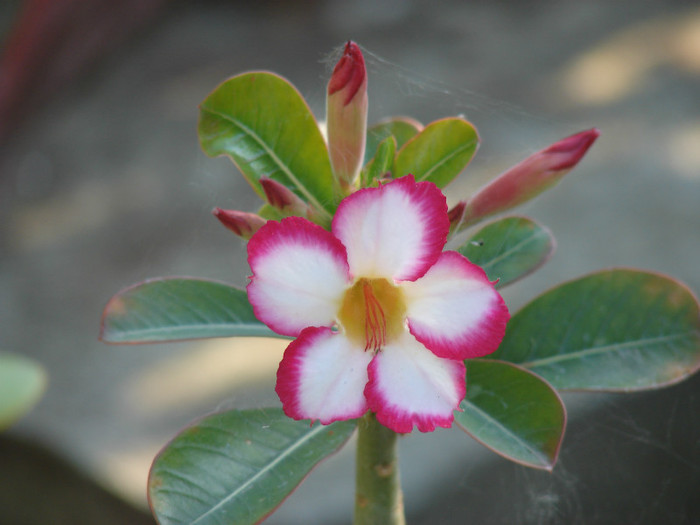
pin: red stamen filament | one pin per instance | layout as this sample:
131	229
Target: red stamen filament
375	321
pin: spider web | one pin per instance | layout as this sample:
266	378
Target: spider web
627	458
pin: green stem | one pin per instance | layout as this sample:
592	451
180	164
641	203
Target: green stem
378	497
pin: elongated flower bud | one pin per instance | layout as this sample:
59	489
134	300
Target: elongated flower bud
456	215
346	115
239	222
530	177
282	198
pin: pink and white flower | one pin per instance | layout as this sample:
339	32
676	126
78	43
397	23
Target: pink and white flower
383	318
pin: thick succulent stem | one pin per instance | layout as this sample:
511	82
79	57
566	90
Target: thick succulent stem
378	496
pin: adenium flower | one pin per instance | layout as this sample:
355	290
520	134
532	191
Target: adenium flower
383	318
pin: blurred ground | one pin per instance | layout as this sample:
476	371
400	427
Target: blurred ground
104	185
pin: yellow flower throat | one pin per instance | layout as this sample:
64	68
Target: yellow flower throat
372	313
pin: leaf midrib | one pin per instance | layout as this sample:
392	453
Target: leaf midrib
580	354
516	247
544	460
224	330
275	158
314	432
446	159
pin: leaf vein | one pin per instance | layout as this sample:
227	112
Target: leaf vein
595	350
287	171
263	471
447	158
508	432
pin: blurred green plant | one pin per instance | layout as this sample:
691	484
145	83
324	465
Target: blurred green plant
22	382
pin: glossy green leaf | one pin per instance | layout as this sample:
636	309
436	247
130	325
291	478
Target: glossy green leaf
401	128
438	153
617	330
170	309
509	249
237	466
513	412
22	381
263	124
381	163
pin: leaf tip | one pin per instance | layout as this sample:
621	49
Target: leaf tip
115	308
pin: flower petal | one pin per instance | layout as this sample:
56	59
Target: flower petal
454	310
394	231
322	376
408	385
300	273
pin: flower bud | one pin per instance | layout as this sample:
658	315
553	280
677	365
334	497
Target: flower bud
530	177
282	198
456	215
346	115
239	222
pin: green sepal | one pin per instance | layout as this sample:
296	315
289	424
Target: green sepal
270	213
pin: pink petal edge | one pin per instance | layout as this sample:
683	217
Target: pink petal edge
374	230
322	377
474	337
289	295
389	397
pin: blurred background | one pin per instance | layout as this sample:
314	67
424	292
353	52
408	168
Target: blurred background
103	184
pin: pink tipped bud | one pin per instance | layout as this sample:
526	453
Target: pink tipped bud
239	222
530	177
566	153
282	198
346	114
456	214
349	73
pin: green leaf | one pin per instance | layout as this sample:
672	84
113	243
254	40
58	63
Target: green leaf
513	412
619	330
22	381
263	124
401	128
381	163
509	249
237	466
438	153
171	309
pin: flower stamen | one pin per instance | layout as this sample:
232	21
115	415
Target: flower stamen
372	313
375	321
